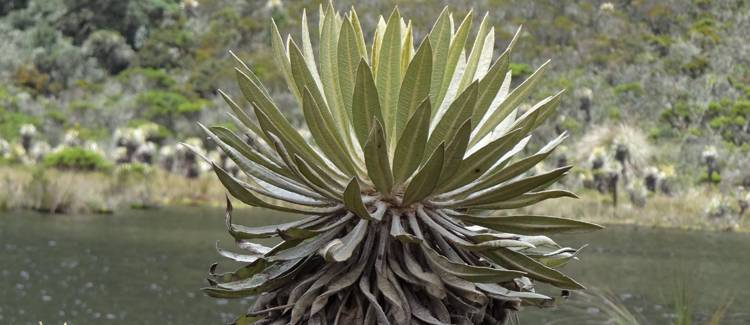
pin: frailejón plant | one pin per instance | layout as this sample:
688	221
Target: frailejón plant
410	148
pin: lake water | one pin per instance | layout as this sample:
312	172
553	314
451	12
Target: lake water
146	267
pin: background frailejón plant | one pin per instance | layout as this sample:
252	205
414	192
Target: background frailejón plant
410	147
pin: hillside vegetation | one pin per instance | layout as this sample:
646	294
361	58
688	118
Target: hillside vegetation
657	101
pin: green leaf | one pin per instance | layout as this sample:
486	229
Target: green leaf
490	85
314	179
482	160
388	77
305	77
270	119
523	200
376	160
410	148
458	43
307	50
425	181
353	200
358	33
440	39
241	115
471	273
455	116
476	50
348	60
415	88
529	224
455	151
499	175
243	194
516	188
535	270
231	139
365	103
329	69
514	98
321	127
281	58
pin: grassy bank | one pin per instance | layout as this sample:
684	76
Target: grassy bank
56	191
686	210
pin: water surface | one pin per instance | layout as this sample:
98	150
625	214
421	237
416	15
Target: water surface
146	267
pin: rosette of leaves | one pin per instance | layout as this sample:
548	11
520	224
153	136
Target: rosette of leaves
407	185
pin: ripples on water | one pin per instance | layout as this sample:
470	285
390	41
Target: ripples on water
146	267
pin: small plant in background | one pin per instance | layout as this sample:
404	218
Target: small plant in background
411	150
78	159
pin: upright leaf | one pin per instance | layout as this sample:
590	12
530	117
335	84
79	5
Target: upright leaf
440	40
353	200
365	103
348	61
322	130
388	77
426	179
476	51
415	87
411	146
457	49
376	160
455	116
329	73
514	98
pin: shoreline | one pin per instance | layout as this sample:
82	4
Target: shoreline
72	192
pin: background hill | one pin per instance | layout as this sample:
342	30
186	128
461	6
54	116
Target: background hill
666	82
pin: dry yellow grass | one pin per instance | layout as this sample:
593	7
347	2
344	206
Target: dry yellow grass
684	210
82	192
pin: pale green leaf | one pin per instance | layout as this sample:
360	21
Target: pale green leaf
353	200
529	224
365	103
440	39
514	98
388	77
456	115
425	181
322	129
376	160
481	161
535	270
348	61
410	148
415	87
457	49
476	51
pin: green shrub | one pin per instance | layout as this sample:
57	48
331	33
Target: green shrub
707	28
520	69
629	87
696	66
10	123
158	78
76	159
731	119
164	107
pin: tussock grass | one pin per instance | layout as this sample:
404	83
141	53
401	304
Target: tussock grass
55	191
685	210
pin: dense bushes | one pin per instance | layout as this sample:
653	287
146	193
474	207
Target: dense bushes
110	50
76	159
731	119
